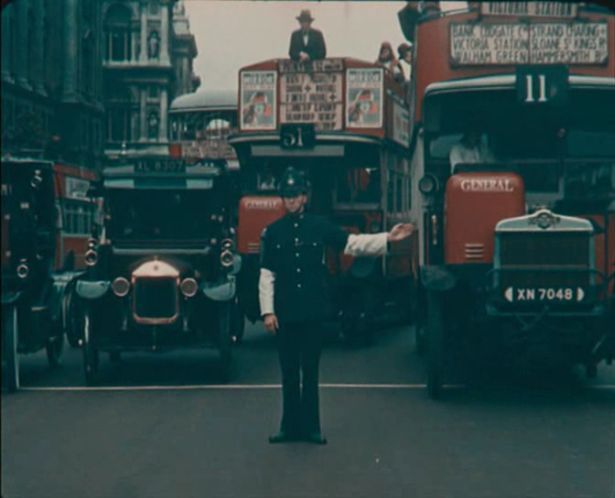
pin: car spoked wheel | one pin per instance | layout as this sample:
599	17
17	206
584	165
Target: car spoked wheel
54	349
239	322
435	345
10	341
90	352
74	320
225	342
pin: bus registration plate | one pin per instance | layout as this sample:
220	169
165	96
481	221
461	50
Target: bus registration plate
544	294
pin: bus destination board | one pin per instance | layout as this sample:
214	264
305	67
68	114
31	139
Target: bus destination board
473	44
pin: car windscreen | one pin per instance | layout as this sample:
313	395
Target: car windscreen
160	214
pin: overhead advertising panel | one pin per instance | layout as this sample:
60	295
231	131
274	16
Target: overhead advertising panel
473	44
529	9
364	89
312	97
258	100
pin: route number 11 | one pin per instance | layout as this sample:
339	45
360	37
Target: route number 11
529	88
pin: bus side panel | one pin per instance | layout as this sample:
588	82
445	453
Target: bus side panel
610	266
255	213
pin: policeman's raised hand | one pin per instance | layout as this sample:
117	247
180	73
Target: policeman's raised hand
271	323
400	231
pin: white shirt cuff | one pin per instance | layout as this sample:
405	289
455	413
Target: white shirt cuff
265	291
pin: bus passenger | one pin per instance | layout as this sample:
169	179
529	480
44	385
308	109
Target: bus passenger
405	59
387	59
470	149
307	44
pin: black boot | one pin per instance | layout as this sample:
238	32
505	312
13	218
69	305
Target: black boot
315	438
282	437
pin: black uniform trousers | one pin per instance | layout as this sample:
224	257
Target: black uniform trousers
299	348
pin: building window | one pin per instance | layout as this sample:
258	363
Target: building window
118	33
119	124
153	92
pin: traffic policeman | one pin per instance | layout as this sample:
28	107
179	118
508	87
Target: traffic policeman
294	298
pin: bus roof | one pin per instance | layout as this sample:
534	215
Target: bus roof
205	100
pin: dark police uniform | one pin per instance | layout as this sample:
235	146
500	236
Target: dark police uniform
293	248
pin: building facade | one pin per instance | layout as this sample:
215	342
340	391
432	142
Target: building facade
147	60
52	98
86	80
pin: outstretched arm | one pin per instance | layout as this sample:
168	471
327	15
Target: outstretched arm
376	244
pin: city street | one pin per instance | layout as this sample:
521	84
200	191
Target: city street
162	426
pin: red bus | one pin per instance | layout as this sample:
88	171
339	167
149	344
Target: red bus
76	214
344	122
513	160
200	125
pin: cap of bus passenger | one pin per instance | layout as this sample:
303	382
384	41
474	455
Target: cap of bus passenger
293	183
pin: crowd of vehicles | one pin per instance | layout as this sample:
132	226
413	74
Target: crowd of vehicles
46	218
513	250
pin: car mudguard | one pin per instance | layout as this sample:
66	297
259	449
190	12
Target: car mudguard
220	291
11	297
92	289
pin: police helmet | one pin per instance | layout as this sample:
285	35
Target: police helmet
293	183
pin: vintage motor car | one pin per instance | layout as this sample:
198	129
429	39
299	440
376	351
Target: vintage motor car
161	271
33	296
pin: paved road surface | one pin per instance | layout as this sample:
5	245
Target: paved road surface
162	426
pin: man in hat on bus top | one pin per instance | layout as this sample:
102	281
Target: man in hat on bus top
307	44
294	298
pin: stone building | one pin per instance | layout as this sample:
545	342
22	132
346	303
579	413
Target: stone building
147	59
85	79
52	101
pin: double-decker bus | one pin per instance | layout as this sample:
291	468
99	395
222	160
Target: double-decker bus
200	125
513	157
76	213
344	122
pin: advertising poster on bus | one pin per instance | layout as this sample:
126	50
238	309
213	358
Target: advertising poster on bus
314	96
364	98
258	96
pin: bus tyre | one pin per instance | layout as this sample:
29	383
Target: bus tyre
225	341
435	345
90	351
9	347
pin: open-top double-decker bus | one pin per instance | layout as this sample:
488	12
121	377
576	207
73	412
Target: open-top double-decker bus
344	122
200	125
513	153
